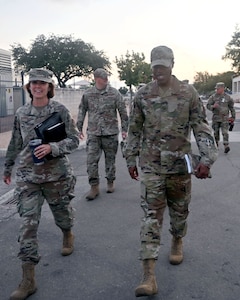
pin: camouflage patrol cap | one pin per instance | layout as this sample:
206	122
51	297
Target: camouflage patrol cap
41	75
219	84
100	73
162	55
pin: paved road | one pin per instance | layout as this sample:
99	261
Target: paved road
105	266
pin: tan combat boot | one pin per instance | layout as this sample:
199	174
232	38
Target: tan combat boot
28	286
110	187
176	255
93	193
68	239
148	285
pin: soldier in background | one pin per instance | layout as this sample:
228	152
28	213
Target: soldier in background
163	114
53	180
102	103
221	104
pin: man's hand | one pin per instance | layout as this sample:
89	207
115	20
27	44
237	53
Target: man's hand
202	171
124	135
215	105
133	171
81	135
231	123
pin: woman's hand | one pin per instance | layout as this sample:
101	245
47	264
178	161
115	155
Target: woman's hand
42	150
7	179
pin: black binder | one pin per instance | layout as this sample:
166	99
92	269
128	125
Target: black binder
52	129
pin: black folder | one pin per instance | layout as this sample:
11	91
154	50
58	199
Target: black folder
52	129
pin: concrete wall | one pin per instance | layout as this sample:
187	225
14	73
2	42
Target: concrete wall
6	123
69	97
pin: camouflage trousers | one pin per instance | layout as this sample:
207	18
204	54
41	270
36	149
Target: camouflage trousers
95	145
30	198
157	192
224	126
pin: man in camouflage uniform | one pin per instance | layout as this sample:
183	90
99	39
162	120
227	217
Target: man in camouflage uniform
221	104
162	116
53	180
102	102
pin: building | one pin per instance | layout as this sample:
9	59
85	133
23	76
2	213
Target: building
236	88
5	67
6	84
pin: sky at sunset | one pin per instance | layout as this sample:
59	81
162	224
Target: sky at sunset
197	31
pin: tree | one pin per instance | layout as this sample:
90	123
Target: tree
233	50
63	55
205	83
133	69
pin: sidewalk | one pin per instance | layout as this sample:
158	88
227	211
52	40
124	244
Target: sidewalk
4	141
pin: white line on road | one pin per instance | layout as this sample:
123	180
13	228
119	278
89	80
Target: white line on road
6	197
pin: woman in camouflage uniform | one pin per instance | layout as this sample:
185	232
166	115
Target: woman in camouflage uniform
54	180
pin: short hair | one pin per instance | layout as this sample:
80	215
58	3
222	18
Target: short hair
50	93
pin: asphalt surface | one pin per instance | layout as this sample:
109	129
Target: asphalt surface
105	265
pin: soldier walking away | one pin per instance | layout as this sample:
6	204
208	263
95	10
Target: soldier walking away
49	177
102	103
162	116
221	105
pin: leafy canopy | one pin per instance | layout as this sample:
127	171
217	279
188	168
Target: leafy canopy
233	50
65	56
133	69
205	83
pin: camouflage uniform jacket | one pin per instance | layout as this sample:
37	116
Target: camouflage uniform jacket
102	107
26	118
160	126
226	105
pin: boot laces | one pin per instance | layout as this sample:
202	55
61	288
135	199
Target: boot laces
176	248
146	277
25	284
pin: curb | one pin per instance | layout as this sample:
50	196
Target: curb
7	197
